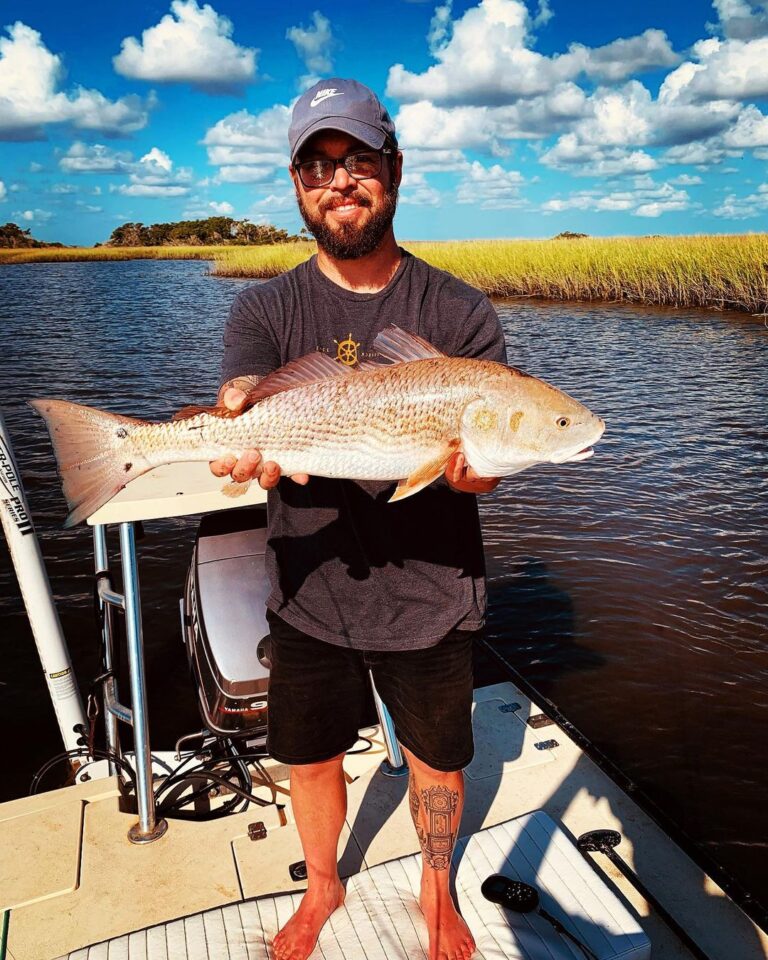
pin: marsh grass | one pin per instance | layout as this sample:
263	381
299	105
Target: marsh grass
721	272
65	254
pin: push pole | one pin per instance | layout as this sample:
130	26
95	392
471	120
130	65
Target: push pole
38	599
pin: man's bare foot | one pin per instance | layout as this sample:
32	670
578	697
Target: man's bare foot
449	936
298	937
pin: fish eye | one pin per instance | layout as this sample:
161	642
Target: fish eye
563	422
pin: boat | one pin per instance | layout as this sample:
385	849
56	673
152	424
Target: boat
194	853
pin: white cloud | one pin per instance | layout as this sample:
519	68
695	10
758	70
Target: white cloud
82	158
740	20
490	188
35	167
415	189
590	160
744	208
192	44
154	176
315	45
485	59
701	154
199	209
64	188
155	192
434	161
249	148
87	207
3	191
425	126
686	180
646	199
33	216
29	77
440	28
245	174
750	130
726	70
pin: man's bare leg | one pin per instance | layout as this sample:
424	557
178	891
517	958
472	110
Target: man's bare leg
436	801
319	802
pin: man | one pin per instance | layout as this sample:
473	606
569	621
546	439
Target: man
357	582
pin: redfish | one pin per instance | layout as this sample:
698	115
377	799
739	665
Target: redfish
398	420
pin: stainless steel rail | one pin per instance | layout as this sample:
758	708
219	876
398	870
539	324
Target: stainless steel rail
148	827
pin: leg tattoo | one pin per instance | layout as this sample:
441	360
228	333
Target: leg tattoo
439	806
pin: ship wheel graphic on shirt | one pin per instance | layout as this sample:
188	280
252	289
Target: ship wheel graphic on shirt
347	351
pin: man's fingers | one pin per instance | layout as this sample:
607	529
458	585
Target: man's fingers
270	474
247	467
301	478
223	466
455	468
233	398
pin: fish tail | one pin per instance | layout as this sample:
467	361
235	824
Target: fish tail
95	453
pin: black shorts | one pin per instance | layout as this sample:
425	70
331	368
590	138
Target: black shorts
318	693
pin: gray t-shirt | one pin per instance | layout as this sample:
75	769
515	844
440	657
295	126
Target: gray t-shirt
346	566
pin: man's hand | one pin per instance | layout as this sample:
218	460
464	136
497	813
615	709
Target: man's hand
249	466
462	478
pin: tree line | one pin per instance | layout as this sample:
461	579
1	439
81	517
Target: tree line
12	236
212	231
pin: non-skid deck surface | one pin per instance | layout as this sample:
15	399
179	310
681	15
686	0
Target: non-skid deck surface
381	920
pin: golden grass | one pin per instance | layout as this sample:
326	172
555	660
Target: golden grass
722	272
63	254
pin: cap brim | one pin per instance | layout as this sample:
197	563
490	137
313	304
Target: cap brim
371	136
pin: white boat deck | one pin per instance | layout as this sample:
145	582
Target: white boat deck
71	877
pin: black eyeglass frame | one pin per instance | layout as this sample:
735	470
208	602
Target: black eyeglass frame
342	161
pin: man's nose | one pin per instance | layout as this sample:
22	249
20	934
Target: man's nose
341	178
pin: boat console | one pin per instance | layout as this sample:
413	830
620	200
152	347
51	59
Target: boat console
224	621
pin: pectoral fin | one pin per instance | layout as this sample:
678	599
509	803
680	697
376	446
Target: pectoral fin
426	474
235	489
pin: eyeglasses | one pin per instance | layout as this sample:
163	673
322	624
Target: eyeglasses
360	166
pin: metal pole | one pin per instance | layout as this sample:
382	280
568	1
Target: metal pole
38	599
101	562
394	765
147	829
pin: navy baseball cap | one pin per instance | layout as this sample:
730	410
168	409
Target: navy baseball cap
344	105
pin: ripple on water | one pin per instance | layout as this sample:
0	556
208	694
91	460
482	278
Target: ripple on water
631	587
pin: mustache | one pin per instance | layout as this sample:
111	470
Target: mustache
356	197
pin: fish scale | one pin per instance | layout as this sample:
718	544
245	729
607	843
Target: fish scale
401	420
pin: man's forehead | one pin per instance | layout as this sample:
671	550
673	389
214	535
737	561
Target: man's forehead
331	143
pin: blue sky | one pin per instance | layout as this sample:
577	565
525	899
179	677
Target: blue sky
515	120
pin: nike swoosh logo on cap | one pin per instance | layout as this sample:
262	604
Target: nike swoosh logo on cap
324	95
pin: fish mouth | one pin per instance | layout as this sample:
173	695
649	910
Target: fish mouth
584	454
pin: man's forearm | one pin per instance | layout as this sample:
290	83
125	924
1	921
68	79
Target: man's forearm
239	383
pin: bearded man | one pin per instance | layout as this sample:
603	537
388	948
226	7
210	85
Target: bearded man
360	584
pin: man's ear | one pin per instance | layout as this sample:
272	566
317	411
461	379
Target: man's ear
294	175
398	171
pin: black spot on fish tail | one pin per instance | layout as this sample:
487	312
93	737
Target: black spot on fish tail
127	467
121	433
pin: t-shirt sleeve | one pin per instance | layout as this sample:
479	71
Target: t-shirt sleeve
481	336
249	346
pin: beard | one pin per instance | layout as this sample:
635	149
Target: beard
348	241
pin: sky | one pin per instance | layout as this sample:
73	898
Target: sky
515	119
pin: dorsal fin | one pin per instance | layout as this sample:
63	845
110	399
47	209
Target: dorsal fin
296	373
399	346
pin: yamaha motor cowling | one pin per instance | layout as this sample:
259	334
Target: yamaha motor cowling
224	621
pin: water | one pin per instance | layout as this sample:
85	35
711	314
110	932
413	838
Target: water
630	588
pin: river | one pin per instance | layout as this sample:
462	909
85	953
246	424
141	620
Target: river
630	588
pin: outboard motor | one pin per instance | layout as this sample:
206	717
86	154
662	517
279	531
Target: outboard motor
225	625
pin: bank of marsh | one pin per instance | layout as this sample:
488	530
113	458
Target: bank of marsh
721	272
724	272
